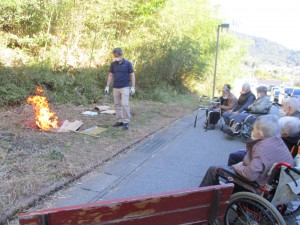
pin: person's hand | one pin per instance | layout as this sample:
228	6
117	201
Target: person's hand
235	113
132	90
106	90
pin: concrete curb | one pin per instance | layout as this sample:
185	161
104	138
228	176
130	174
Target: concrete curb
27	202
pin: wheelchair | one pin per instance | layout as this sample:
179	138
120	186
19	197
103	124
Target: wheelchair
247	124
277	202
205	103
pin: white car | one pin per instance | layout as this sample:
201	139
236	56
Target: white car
285	93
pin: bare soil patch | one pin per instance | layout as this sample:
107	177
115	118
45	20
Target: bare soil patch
31	159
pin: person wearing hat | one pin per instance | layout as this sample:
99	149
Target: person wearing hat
228	102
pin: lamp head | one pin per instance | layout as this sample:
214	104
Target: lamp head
224	25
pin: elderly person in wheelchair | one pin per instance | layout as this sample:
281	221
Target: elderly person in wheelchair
291	107
260	106
213	114
246	98
290	134
258	177
266	149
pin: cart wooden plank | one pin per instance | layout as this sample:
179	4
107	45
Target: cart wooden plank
193	206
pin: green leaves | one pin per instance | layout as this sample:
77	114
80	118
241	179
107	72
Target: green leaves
171	44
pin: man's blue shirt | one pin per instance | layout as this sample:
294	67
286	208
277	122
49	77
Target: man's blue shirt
121	73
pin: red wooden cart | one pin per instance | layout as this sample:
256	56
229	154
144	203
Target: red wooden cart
193	206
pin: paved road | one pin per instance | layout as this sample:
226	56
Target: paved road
176	158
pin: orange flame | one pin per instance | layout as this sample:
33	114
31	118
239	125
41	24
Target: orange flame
43	117
39	89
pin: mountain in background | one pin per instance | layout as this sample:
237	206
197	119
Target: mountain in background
263	51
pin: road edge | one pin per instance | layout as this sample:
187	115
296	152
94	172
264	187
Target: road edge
28	202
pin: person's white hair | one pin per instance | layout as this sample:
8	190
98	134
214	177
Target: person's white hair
247	86
293	103
290	126
268	125
262	88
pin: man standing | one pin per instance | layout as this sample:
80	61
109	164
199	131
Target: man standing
124	84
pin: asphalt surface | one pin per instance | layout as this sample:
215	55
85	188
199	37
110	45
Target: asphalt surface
173	159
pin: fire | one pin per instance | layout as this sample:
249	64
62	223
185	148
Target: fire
44	118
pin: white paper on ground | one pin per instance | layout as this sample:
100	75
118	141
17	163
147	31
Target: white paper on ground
90	113
110	112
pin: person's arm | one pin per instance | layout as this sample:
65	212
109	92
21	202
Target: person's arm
251	171
250	100
231	104
262	107
132	78
109	78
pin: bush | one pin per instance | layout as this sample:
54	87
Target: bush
80	87
63	45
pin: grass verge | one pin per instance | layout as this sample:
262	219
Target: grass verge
32	160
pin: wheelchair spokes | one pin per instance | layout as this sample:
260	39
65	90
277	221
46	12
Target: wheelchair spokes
248	213
247	208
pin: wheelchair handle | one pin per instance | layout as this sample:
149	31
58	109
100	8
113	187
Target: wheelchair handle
288	166
288	172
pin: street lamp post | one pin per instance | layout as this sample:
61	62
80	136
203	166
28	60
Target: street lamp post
223	25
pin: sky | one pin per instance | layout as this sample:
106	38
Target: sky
276	20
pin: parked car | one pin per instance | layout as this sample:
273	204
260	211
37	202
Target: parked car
275	96
295	93
273	89
288	90
285	93
271	86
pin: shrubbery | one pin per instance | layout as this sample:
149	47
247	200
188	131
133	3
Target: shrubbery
66	45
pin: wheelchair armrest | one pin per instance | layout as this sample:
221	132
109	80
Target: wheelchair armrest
232	176
246	111
259	113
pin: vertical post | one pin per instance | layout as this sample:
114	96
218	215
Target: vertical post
216	62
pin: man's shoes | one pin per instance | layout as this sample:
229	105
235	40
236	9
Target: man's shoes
236	133
118	124
238	128
211	127
126	126
228	130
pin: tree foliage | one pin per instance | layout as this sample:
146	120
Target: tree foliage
170	42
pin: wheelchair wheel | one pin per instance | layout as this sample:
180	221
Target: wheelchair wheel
250	208
291	212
